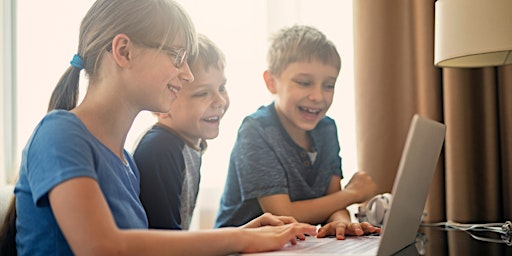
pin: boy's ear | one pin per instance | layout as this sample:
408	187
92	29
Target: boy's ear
121	46
270	81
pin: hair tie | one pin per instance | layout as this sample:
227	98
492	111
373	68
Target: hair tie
77	62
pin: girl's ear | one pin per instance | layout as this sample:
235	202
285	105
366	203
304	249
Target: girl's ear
121	47
270	81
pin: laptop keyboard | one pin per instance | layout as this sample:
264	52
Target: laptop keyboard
351	245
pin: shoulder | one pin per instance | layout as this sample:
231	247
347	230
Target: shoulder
159	145
262	112
326	124
61	143
159	138
60	121
327	121
265	116
62	129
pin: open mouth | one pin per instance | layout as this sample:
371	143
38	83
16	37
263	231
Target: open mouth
212	119
310	111
174	89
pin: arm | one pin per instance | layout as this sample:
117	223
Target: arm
313	211
88	225
340	215
329	208
318	210
340	224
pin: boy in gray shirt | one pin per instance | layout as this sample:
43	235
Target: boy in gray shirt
286	157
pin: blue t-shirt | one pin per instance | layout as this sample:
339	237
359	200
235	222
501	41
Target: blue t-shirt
266	161
61	148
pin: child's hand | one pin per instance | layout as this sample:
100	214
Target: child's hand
362	185
270	238
267	219
340	229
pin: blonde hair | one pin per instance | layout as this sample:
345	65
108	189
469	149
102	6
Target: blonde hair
146	22
300	43
208	55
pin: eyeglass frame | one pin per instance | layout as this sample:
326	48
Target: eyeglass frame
180	54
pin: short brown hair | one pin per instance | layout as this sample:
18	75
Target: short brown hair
300	43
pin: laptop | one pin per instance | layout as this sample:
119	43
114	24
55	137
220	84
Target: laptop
410	190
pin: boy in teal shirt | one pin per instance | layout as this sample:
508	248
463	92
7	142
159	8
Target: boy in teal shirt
286	157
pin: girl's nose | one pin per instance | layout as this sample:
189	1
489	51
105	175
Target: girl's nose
186	74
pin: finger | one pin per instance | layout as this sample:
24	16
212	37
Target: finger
268	219
340	232
322	232
287	219
301	236
355	229
326	230
369	228
273	221
299	230
304	228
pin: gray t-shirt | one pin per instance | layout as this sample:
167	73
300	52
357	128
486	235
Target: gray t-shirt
266	161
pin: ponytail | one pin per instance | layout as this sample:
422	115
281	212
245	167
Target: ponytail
65	94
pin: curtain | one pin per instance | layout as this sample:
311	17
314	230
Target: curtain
395	78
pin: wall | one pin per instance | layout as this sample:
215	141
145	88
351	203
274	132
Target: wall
2	85
7	93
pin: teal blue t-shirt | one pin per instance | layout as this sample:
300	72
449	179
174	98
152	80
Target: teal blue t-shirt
266	161
61	148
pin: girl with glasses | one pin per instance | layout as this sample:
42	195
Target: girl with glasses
78	188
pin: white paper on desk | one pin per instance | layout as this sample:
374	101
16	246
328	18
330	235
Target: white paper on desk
352	245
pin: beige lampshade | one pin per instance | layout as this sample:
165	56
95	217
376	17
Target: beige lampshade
473	33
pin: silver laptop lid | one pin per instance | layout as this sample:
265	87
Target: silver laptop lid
412	184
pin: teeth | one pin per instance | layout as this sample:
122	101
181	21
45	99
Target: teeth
172	88
213	118
314	111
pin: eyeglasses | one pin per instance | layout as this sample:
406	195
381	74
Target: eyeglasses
179	55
